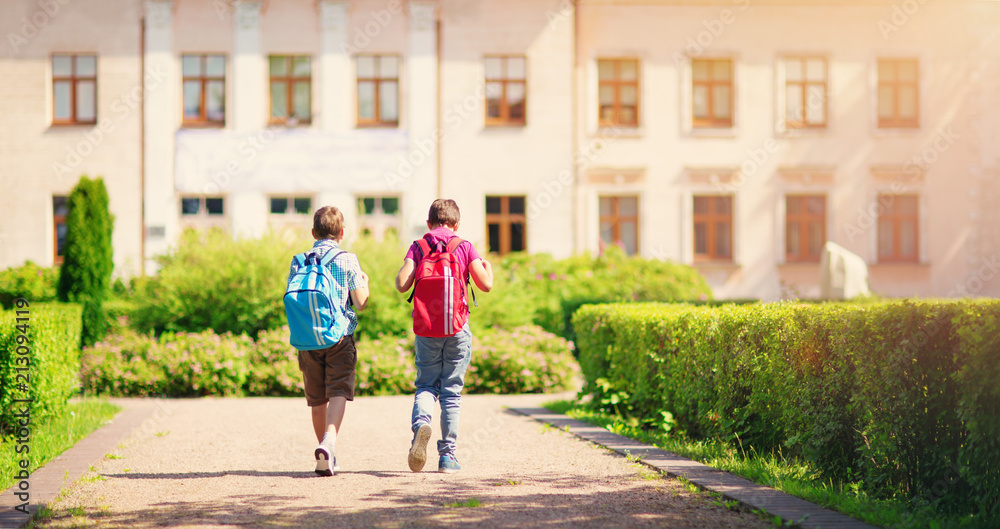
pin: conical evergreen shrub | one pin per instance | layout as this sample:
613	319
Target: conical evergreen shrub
87	256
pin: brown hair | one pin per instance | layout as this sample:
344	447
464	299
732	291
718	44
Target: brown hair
444	212
328	222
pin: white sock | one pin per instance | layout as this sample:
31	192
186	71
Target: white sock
329	440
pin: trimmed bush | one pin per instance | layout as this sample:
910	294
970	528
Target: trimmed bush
29	281
901	398
201	286
549	291
524	360
527	360
53	332
212	281
87	263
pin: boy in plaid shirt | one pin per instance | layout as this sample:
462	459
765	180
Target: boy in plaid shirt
329	374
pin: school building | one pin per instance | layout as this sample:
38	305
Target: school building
737	136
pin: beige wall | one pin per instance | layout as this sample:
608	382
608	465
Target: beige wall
850	150
30	145
529	160
561	160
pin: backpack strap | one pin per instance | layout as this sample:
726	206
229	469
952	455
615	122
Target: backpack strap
330	256
453	245
424	247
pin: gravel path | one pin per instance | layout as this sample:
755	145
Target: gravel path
248	462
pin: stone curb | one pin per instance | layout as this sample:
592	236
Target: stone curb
802	513
46	482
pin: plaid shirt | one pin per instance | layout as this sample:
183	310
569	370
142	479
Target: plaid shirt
345	269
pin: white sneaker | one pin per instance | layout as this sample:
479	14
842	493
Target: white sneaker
324	456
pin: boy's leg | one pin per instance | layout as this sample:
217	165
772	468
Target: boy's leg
428	363
340	361
457	355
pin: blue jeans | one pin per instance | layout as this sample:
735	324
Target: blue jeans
441	366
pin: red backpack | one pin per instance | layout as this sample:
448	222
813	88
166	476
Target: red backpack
440	307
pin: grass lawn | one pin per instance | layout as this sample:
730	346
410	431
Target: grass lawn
794	477
54	437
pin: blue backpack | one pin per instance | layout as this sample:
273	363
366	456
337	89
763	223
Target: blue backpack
316	306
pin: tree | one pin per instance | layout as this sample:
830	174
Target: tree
87	256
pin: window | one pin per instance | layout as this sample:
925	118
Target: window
805	227
505	224
618	91
202	206
898	228
379	215
378	90
898	93
291	205
805	92
505	90
712	92
620	222
291	89
74	89
204	87
713	228
60	208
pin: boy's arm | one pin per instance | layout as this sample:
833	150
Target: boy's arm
482	274
404	279
359	295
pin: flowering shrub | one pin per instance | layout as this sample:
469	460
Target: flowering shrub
525	360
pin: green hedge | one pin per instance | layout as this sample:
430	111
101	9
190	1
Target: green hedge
902	398
525	360
54	339
29	281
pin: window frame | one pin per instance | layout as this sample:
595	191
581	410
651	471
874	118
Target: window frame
203	79
378	218
377	81
896	218
58	220
74	81
617	84
804	85
711	219
202	207
290	212
803	218
505	219
616	219
289	80
896	122
504	119
711	122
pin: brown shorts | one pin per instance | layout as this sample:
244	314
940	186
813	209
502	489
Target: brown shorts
329	372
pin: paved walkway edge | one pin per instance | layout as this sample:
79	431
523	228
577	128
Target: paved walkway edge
45	483
776	503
